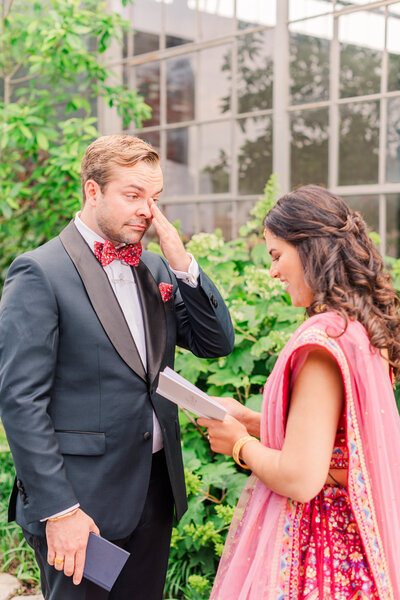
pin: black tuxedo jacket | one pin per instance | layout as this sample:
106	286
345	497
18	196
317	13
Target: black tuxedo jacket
75	400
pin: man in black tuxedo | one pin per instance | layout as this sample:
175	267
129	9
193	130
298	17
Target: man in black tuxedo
87	322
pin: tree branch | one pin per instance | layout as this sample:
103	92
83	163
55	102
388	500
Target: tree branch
22	79
246	335
8	9
212	498
193	421
17	66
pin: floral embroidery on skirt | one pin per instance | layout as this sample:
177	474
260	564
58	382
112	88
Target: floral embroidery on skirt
328	561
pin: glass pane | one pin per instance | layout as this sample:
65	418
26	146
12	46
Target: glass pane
214	82
215	18
185	214
151	137
394	9
309	147
309	60
214	159
216	215
301	9
180	166
180	22
255	71
146	80
359	143
256	12
393	140
254	143
180	89
241	212
146	26
368	207
393	47
393	225
362	38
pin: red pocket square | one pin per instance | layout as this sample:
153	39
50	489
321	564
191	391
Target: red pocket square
165	291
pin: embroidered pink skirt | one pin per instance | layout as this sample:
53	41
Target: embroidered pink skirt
327	557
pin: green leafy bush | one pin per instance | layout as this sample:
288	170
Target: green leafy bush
16	556
263	320
52	73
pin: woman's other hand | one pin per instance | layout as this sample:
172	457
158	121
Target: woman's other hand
249	418
235	409
224	434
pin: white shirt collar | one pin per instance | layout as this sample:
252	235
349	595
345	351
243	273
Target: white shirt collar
88	234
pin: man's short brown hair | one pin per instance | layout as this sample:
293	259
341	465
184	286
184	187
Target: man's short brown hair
110	151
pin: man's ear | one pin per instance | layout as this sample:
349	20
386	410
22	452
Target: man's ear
92	190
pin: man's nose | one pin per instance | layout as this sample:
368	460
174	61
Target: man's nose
144	208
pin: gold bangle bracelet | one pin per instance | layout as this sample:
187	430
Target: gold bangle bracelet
237	448
68	514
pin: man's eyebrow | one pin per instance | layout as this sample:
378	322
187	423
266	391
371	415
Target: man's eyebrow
139	188
271	250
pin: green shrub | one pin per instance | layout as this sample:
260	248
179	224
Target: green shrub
263	319
52	73
16	556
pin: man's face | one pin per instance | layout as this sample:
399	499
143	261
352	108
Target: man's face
121	214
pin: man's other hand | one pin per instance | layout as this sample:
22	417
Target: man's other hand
67	539
170	242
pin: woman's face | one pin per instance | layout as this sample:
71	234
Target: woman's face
287	266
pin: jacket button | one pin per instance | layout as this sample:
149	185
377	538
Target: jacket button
147	435
19	484
214	301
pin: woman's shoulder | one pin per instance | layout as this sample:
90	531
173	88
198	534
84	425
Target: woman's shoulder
331	325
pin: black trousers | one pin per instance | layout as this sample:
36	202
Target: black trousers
143	575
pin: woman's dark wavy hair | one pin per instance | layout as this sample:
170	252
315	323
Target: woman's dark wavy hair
341	264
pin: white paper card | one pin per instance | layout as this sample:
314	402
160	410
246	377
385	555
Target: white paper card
177	389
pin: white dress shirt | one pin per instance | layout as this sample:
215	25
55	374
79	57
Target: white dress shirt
123	283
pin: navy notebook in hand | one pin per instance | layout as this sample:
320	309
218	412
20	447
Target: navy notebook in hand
104	561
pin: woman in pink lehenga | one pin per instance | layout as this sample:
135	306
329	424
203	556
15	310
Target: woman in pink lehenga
320	515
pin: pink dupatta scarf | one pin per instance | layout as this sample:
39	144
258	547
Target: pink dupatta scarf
253	565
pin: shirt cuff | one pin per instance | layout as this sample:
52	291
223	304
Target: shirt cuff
192	275
63	512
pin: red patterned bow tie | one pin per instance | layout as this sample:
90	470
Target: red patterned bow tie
107	252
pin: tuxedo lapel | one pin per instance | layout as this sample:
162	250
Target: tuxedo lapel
102	298
154	320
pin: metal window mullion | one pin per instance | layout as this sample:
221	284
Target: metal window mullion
163	34
197	23
196	129
383	142
163	93
131	33
345	11
234	181
365	189
163	112
280	126
333	144
197	217
234	171
382	223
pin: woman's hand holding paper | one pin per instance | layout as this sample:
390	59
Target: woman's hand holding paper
249	418
222	435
